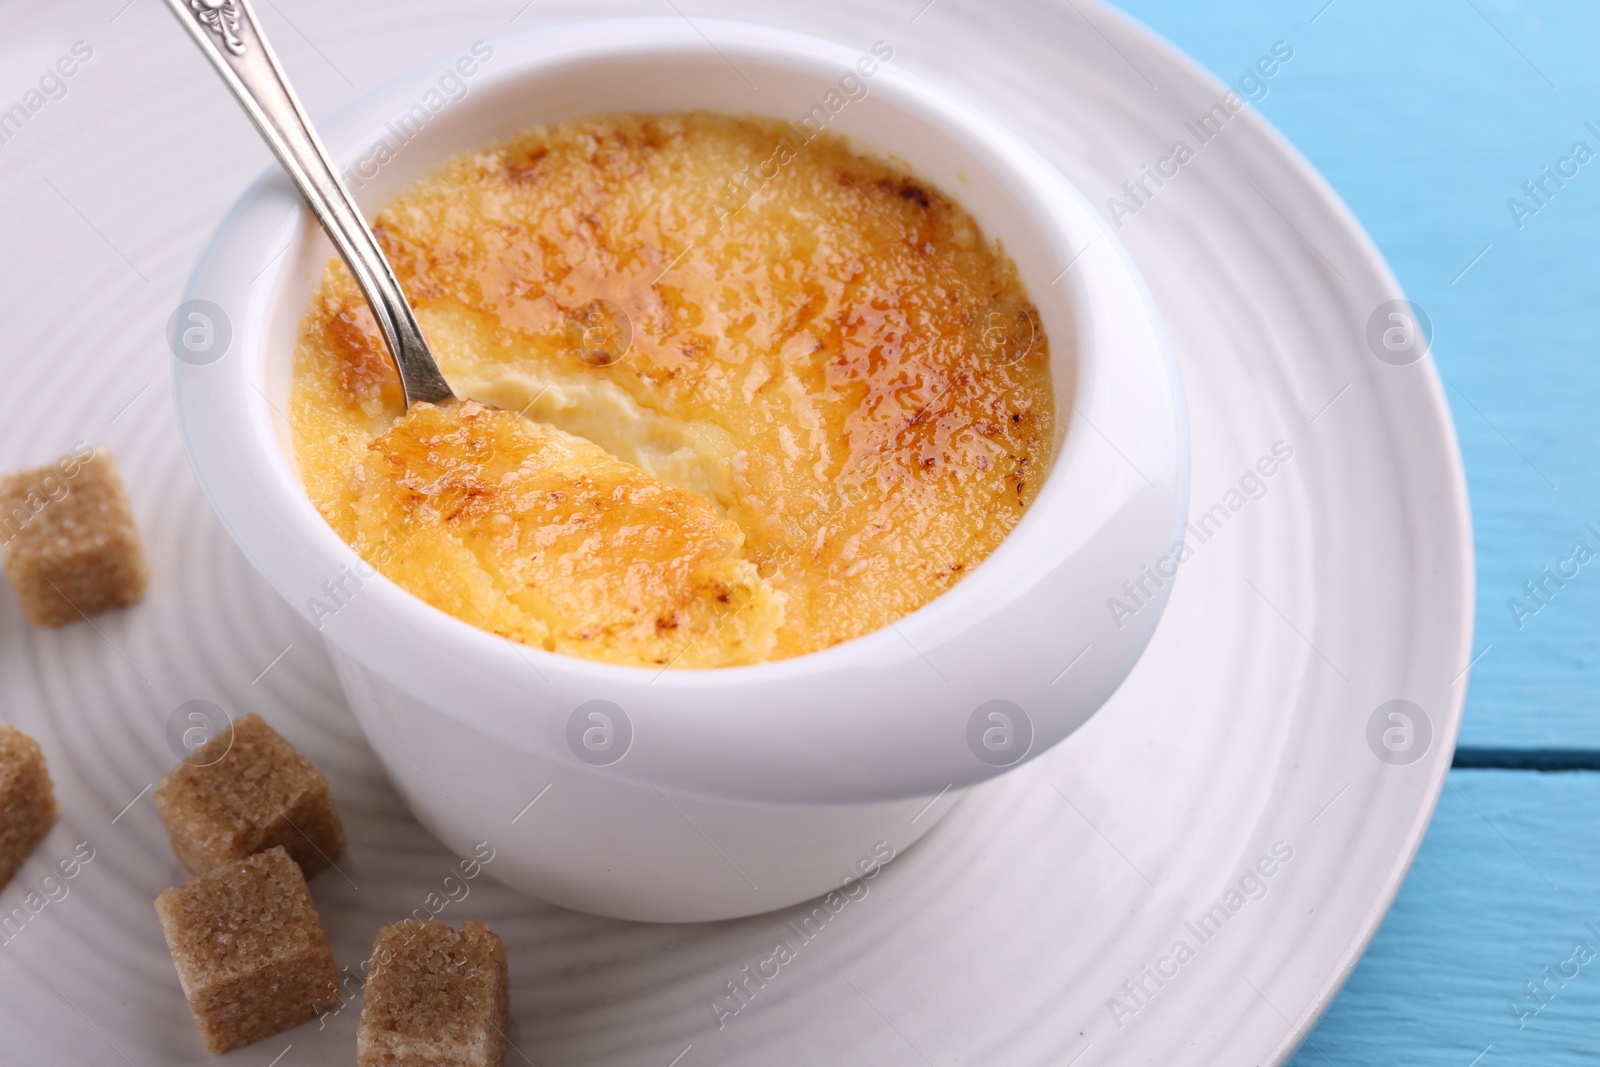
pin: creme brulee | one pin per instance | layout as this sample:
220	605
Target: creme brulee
735	395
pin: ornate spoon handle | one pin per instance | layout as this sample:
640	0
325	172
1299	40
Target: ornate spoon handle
227	32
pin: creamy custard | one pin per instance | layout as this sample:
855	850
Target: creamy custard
737	393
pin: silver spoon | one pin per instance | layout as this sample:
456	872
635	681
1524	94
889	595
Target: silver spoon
227	32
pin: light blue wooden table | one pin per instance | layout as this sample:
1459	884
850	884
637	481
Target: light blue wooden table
1428	118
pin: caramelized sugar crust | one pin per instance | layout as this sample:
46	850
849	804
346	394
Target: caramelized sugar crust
545	538
811	397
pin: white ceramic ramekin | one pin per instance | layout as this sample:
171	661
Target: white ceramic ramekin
747	788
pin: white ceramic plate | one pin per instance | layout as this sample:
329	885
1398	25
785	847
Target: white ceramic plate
1022	929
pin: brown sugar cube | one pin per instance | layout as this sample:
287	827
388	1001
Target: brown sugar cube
250	951
27	801
435	997
245	791
68	540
